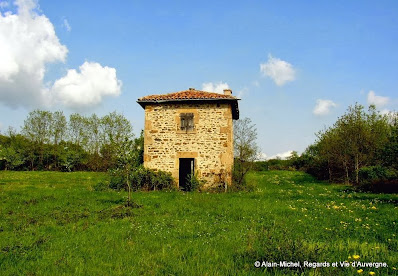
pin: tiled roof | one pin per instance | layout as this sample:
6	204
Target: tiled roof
190	94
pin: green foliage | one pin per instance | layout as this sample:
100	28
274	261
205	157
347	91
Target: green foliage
147	179
238	175
12	158
141	178
373	173
54	223
118	179
242	184
49	142
378	179
289	164
358	139
72	157
388	155
193	183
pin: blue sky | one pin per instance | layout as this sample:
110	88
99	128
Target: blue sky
296	65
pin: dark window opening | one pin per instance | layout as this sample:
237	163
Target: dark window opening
186	121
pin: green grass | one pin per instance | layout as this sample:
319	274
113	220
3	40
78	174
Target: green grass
58	224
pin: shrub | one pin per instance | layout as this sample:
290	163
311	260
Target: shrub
378	179
142	179
243	185
117	179
194	183
373	173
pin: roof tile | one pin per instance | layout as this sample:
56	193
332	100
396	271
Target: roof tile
190	94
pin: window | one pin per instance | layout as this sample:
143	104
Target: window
186	121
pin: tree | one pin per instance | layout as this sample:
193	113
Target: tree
78	133
58	132
37	128
388	154
127	156
355	141
58	127
245	149
115	129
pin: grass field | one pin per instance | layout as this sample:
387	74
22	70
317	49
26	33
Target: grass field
55	223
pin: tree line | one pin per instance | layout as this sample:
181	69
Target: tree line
360	148
358	141
48	141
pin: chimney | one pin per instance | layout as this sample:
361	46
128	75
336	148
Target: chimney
228	92
191	89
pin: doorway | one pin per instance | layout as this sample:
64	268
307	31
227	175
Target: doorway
187	167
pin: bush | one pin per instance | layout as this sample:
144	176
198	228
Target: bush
243	185
194	183
378	179
117	179
142	179
373	173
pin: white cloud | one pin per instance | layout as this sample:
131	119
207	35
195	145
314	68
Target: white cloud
87	87
278	70
67	25
28	43
215	87
323	107
282	155
378	101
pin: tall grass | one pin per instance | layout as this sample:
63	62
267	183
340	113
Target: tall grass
57	223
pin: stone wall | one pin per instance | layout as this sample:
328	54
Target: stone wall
210	143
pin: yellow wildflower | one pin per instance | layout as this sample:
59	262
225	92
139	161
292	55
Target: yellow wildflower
372	273
355	257
360	270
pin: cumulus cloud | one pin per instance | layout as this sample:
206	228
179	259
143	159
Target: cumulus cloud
67	25
28	43
278	70
87	87
215	87
378	101
323	107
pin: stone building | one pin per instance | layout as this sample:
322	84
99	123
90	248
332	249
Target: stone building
190	132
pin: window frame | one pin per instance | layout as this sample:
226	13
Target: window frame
187	122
